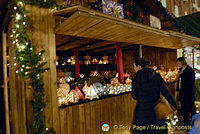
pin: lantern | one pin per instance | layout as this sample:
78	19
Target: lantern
94	61
85	88
62	93
80	94
72	60
72	97
98	88
128	81
100	62
91	94
87	59
106	90
105	59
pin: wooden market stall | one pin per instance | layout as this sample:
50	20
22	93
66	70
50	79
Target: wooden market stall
79	27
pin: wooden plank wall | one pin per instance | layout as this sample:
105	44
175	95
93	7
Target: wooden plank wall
157	56
161	57
88	118
42	34
17	93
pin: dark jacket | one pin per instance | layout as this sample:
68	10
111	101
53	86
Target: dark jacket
187	82
146	89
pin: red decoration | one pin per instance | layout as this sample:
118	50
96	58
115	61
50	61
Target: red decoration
141	15
80	94
127	13
76	63
131	2
119	63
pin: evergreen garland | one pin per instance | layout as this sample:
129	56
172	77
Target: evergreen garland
29	62
132	10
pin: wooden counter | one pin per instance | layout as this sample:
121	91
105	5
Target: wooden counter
88	118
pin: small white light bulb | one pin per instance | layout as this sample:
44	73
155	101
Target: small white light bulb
23	47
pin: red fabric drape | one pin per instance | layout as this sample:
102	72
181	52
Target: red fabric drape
76	63
120	69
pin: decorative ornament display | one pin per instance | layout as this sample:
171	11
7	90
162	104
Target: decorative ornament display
80	94
91	93
73	97
113	8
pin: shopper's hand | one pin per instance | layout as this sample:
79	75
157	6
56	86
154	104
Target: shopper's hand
175	112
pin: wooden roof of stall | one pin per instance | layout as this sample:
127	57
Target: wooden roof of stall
81	22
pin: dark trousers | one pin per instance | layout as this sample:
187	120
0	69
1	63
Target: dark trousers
187	107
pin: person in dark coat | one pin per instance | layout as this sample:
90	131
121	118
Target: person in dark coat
186	89
146	88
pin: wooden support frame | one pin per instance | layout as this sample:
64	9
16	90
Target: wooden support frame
6	102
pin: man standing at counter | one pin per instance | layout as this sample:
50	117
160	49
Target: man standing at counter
186	89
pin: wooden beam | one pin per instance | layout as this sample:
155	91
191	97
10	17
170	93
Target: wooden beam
69	41
91	43
6	103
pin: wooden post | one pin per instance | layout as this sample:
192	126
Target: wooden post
120	69
6	103
140	51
